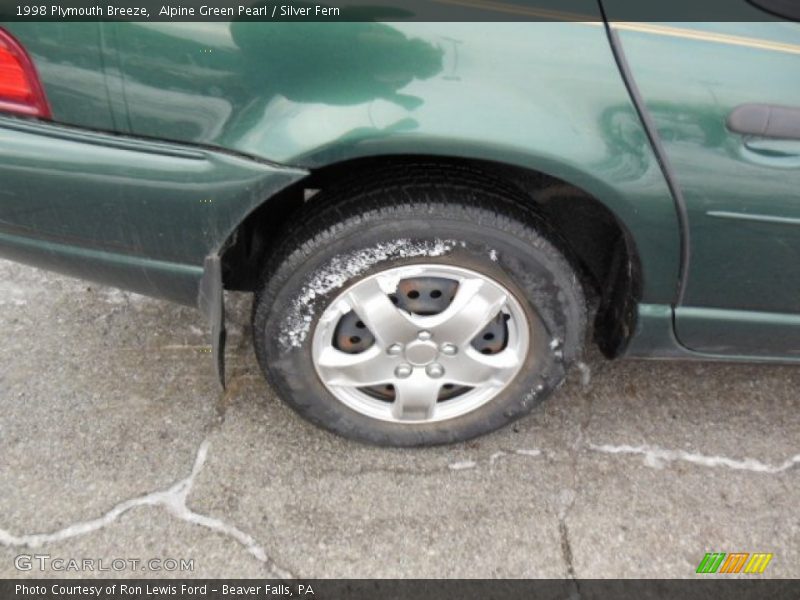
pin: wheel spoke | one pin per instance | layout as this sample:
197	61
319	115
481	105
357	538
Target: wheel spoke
415	397
473	369
371	367
475	304
386	322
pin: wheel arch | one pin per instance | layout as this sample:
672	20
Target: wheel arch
603	245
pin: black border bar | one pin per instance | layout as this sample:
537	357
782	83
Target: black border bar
702	587
398	10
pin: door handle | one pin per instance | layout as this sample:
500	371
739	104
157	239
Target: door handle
766	121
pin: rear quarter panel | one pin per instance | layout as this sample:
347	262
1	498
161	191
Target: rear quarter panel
546	96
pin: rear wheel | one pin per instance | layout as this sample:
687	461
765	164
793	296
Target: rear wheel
408	315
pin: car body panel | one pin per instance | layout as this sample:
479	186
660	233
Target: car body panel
132	213
655	335
317	94
742	289
71	61
349	90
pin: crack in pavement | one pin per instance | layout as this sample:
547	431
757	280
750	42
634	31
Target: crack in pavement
173	500
567	497
656	457
566	548
567	501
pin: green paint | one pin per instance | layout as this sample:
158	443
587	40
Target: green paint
749	260
543	96
126	213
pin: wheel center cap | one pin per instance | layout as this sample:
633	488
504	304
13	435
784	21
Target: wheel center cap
420	353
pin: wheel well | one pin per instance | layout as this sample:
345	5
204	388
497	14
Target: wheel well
602	249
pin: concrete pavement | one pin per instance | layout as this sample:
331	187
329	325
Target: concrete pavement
116	444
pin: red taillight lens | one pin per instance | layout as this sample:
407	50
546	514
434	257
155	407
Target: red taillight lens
20	90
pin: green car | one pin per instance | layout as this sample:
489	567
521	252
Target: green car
435	218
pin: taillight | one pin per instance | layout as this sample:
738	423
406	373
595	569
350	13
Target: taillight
20	89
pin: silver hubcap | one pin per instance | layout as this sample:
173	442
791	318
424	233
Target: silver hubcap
426	343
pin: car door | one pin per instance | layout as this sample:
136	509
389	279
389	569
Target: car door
725	100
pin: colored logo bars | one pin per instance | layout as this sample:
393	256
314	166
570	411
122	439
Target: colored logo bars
737	562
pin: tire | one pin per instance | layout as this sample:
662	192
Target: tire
471	233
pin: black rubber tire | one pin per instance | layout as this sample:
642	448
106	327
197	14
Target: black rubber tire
400	218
